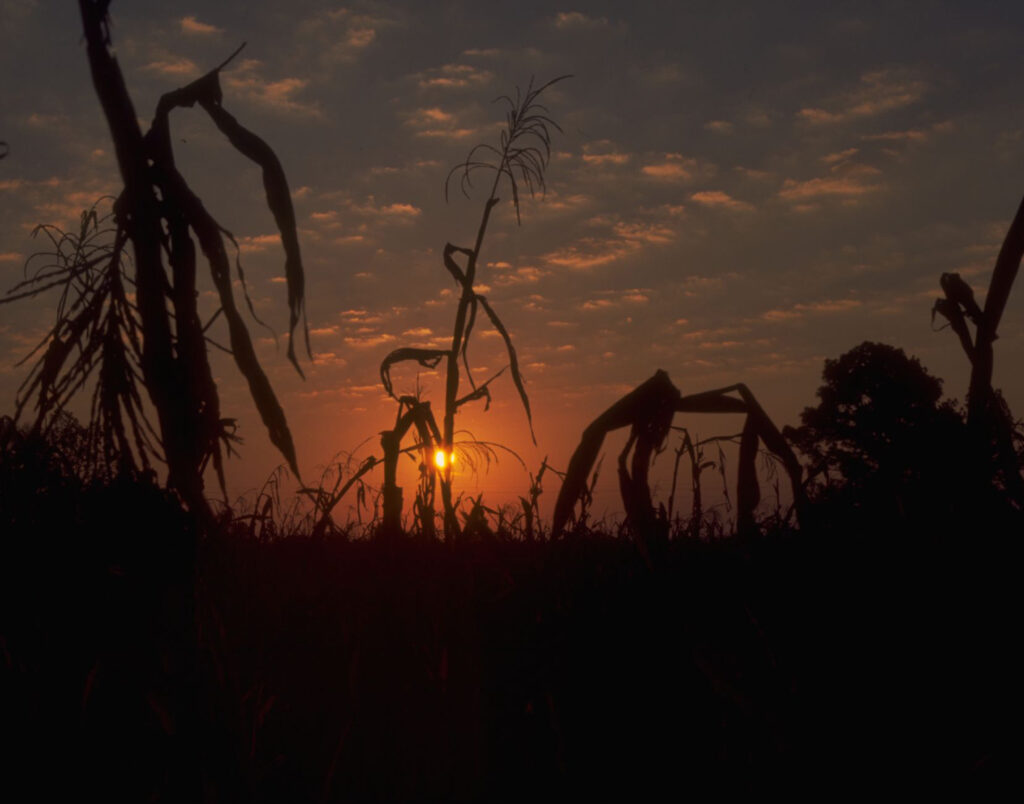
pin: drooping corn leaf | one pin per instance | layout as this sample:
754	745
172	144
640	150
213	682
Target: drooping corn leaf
513	361
479	392
1004	273
428	358
208	232
279	200
206	91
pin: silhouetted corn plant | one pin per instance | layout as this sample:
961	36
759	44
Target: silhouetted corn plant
695	451
520	159
530	505
412	413
97	332
167	347
989	420
648	411
340	475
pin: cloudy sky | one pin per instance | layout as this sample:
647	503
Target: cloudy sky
740	191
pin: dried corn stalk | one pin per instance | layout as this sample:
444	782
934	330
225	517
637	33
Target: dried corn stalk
159	215
521	159
988	418
412	413
648	411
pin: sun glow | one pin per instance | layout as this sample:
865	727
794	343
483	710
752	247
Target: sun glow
443	459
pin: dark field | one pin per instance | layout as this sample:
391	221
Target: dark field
828	665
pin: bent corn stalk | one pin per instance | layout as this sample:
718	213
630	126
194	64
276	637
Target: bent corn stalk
648	411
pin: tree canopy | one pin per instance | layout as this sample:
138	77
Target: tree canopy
880	424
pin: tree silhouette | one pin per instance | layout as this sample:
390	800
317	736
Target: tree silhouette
880	426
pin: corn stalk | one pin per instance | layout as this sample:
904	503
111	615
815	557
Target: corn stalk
988	419
648	411
521	158
411	413
158	214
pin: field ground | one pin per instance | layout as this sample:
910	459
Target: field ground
819	665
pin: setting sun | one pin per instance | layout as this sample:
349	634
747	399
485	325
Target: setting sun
442	458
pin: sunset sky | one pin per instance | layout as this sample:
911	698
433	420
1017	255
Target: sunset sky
740	191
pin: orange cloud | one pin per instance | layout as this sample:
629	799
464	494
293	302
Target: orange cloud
431	116
395	212
720	126
909	135
448	133
606	159
365	342
839	156
820	308
341	35
279	96
191	25
567	20
718	200
454	76
673	171
853	182
588	253
603	152
436	123
676	167
644	232
174	67
257	243
879	91
623	238
525	275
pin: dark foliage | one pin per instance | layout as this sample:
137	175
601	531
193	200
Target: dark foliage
880	437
